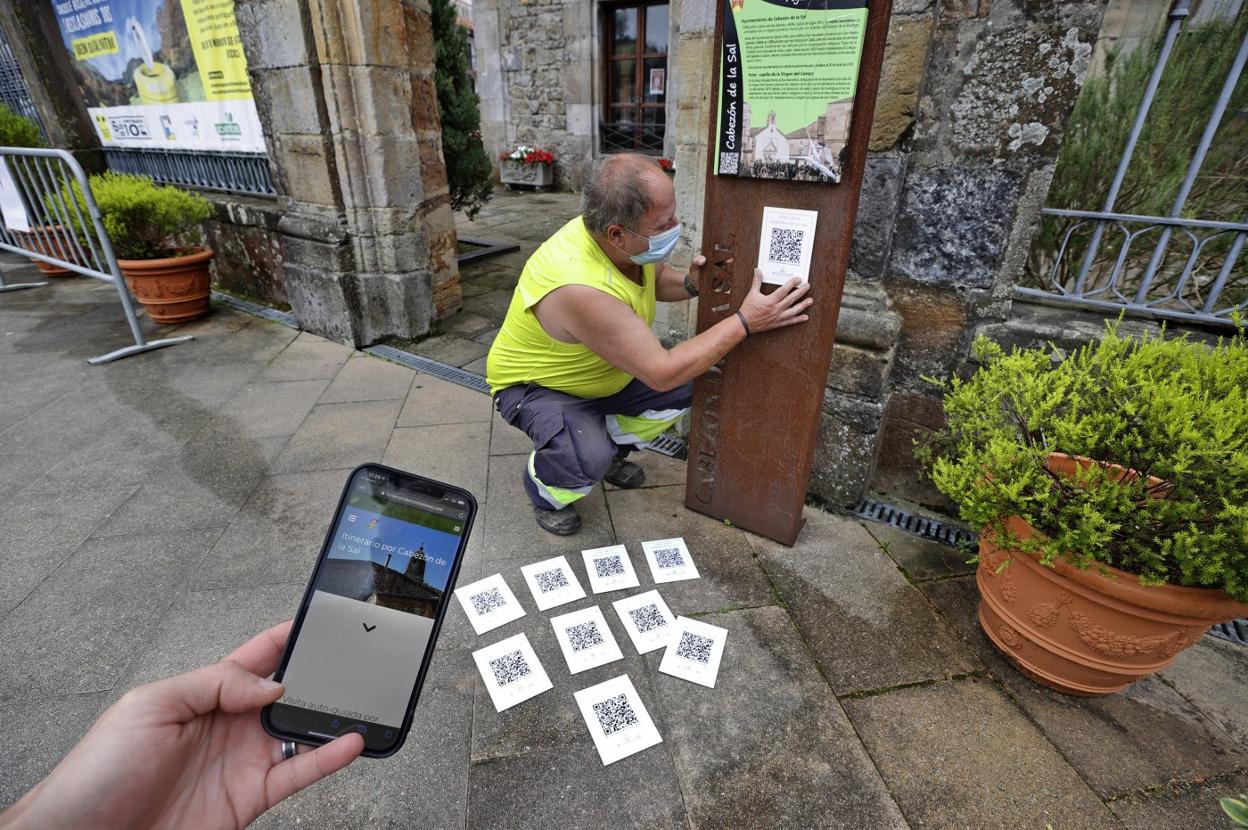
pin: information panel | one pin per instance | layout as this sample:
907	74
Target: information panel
788	71
162	74
757	414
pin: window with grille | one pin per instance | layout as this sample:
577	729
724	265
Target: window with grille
634	98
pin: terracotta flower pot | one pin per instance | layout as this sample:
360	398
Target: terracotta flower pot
173	290
50	240
1087	632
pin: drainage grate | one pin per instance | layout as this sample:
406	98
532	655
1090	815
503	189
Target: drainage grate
673	446
1235	631
432	367
285	318
937	531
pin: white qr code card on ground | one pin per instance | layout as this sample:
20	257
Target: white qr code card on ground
489	603
552	582
669	560
786	244
694	651
647	620
617	719
511	671
586	640
609	569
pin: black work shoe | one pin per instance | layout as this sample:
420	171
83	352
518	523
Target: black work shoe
562	522
625	474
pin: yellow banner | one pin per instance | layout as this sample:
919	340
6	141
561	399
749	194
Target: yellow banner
218	49
92	46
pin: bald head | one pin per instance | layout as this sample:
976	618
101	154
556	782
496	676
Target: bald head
621	189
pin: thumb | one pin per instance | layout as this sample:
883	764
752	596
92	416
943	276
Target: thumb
699	261
225	685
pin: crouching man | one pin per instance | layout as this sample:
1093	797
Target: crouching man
575	364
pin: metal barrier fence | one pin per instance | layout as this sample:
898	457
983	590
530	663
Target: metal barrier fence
65	228
246	173
1182	292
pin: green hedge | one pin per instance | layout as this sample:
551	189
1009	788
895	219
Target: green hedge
18	130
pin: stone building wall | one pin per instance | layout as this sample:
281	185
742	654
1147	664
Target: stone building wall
536	79
999	84
346	96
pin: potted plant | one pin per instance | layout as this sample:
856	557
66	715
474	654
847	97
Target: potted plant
527	165
1111	487
20	131
148	225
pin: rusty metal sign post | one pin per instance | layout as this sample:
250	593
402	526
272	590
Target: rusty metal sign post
756	413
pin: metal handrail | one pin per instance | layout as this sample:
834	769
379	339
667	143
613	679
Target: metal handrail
59	233
1183	296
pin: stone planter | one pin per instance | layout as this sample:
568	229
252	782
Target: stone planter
173	290
533	175
1087	632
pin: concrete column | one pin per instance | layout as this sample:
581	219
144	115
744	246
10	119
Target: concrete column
490	87
36	43
346	94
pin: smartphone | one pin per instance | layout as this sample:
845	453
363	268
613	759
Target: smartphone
361	642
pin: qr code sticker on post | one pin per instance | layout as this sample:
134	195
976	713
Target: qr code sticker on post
551	580
694	647
728	163
509	668
785	245
487	601
615	714
669	558
583	636
647	618
609	566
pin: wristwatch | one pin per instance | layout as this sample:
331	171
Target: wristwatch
690	287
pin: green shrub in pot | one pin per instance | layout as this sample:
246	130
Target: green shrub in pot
1165	407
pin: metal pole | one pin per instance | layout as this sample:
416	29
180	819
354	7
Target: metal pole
36	209
1225	273
1202	149
106	244
1179	10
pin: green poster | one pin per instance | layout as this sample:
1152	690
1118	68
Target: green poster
788	72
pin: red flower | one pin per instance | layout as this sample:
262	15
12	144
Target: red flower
539	157
666	164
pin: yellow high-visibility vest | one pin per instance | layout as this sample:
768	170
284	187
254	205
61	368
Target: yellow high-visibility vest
524	353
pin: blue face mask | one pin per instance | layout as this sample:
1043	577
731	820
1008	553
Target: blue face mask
661	246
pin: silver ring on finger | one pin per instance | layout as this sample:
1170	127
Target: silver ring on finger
289	750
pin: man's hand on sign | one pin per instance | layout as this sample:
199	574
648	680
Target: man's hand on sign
782	307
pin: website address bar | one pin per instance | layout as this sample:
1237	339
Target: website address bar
432	507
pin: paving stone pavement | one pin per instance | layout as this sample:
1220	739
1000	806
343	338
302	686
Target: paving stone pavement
160	510
524	218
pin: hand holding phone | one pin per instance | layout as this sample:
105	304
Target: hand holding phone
361	642
184	751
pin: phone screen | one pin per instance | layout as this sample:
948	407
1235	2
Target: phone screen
377	596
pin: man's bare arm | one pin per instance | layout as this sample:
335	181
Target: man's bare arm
669	283
609	328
